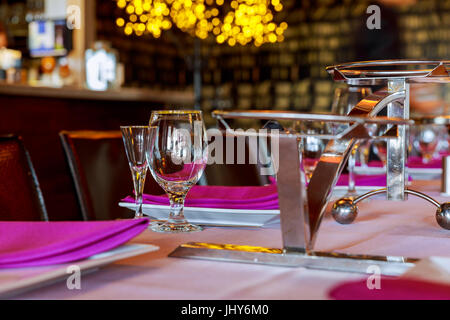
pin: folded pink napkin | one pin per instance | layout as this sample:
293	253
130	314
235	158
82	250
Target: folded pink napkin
249	197
364	180
253	197
417	162
391	289
26	244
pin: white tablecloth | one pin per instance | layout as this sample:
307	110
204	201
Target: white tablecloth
385	228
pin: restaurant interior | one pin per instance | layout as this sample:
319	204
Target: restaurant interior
334	170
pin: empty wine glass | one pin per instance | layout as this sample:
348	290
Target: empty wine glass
380	150
138	140
426	140
310	147
177	161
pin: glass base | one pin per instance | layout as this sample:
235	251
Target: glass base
168	227
351	194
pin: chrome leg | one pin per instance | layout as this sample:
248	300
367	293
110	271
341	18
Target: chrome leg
396	148
335	261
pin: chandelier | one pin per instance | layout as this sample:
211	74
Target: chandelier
236	22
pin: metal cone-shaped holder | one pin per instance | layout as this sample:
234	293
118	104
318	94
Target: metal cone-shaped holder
302	206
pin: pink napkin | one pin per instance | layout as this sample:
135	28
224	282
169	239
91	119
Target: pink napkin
391	289
26	244
416	162
253	197
364	180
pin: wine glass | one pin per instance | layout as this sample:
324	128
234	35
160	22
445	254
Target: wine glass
138	140
177	161
426	140
310	147
380	150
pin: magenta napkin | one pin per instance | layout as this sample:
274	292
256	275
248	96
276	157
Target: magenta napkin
391	289
417	162
364	180
252	197
249	197
26	244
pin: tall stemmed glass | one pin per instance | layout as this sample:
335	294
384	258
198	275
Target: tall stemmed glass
310	147
177	161
138	140
426	141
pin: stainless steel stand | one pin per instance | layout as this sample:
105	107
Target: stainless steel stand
301	208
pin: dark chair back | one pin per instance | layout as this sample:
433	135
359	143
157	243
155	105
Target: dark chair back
232	173
20	195
101	174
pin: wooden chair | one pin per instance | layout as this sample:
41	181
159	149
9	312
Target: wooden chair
100	173
20	195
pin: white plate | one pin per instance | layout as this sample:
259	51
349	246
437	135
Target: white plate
341	191
19	280
415	173
212	216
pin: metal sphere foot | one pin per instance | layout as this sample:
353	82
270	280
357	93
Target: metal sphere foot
443	215
344	211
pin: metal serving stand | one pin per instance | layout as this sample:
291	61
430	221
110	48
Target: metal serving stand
302	207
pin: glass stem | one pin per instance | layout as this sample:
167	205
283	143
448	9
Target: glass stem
176	208
351	171
139	181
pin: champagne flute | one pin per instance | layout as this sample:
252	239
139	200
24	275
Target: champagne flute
310	147
137	141
177	161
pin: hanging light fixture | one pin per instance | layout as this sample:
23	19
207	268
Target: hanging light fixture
237	22
145	16
250	21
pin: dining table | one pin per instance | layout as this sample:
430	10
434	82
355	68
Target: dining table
390	228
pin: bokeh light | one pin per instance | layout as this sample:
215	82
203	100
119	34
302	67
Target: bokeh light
232	22
145	16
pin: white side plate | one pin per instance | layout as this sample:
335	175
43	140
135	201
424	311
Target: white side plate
212	216
415	173
19	280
